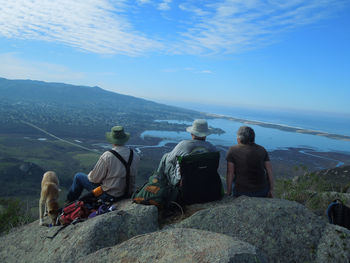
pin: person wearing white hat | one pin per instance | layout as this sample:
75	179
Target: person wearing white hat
199	131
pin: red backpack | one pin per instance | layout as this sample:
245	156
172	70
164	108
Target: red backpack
74	212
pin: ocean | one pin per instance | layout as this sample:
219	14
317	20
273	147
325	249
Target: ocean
320	121
270	138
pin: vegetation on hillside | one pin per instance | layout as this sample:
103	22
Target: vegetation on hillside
86	113
314	190
70	111
13	213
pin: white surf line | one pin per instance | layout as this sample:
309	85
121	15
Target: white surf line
321	157
54	136
278	126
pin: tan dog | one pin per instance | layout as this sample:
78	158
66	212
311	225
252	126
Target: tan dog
49	197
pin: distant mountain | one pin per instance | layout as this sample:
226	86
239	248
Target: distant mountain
79	111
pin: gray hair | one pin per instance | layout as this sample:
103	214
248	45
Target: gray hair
246	135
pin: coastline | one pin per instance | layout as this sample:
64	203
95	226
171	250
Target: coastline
281	127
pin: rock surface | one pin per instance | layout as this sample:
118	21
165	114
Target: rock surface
179	245
31	243
286	231
241	230
334	246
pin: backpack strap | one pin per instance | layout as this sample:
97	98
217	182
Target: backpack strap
127	167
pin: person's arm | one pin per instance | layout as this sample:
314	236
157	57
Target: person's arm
133	171
99	172
268	168
230	174
179	150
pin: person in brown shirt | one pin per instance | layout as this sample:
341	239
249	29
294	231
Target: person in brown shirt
248	167
109	172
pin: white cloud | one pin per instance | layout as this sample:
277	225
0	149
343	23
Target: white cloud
231	26
144	1
95	25
187	69
165	5
206	71
195	26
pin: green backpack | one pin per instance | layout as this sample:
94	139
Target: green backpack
157	191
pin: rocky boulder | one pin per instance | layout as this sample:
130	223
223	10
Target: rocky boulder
285	231
230	230
34	243
179	245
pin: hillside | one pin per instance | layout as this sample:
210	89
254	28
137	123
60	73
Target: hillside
81	115
61	127
79	111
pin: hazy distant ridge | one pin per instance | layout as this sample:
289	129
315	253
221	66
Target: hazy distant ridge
73	111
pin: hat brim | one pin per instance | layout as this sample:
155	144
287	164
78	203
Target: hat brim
199	134
119	141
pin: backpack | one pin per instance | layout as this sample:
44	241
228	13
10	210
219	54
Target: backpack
74	212
200	181
157	191
339	214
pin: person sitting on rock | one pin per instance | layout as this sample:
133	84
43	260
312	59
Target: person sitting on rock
248	167
168	165
109	172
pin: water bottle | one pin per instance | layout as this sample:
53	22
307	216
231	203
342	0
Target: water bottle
97	191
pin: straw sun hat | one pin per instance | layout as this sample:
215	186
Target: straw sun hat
200	128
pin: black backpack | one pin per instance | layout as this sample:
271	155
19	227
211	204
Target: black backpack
200	181
339	214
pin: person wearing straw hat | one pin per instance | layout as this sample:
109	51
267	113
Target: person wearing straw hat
199	131
109	172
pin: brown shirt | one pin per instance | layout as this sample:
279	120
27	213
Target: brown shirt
111	173
249	168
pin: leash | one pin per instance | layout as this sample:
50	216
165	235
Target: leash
59	230
75	221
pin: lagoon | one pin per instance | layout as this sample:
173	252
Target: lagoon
271	139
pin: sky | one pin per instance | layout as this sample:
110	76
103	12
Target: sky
242	53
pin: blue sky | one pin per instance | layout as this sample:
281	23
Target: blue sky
271	54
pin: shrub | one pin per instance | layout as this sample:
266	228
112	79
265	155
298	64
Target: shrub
303	189
13	214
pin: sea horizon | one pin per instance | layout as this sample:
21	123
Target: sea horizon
326	122
273	137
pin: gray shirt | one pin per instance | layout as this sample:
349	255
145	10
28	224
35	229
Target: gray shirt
169	165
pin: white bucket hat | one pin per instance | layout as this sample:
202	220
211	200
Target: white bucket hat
200	128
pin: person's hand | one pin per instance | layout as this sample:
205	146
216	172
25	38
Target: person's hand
270	194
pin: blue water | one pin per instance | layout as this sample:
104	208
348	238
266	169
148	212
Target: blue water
271	139
319	121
